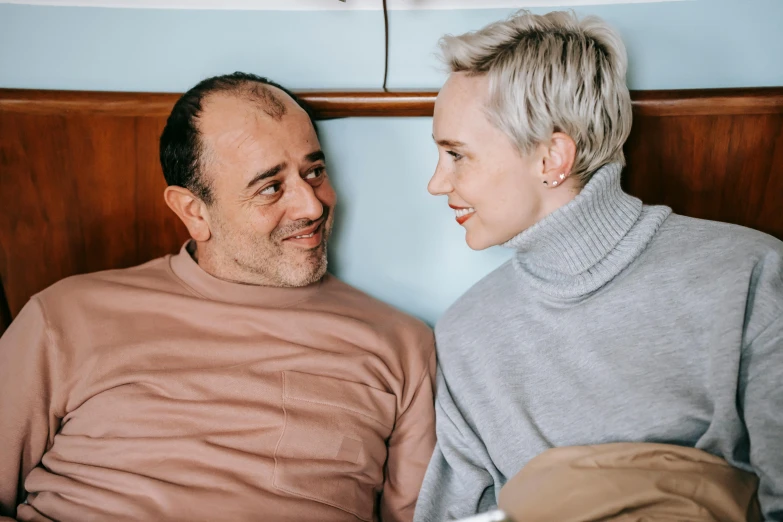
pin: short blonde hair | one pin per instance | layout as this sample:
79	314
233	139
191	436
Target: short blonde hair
552	73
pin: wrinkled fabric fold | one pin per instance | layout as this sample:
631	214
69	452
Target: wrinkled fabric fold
630	482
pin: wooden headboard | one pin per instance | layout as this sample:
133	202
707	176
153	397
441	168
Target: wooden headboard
80	182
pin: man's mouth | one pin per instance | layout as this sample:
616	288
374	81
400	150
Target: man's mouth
307	238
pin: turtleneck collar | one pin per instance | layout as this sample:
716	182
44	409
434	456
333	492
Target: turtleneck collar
210	287
583	245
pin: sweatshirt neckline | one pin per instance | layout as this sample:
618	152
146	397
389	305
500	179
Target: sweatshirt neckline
210	287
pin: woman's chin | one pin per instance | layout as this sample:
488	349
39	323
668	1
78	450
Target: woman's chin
476	242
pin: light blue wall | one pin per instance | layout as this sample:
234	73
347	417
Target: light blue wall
690	44
170	50
671	45
393	240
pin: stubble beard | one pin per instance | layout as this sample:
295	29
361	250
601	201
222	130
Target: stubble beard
267	261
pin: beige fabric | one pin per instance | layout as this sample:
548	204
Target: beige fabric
161	393
630	482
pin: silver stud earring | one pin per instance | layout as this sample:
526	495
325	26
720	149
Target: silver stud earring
562	176
554	183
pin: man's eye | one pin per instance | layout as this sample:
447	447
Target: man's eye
271	190
315	173
456	155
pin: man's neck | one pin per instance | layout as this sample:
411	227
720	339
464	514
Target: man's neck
212	265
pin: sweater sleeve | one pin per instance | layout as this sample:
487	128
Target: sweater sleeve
27	423
410	448
761	388
456	485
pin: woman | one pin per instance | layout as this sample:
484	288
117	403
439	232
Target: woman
614	321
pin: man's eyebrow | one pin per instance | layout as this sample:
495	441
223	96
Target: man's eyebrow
316	156
449	143
266	174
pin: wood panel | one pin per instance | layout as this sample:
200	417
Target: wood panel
340	104
724	168
79	193
712	154
5	313
326	104
708	102
80	182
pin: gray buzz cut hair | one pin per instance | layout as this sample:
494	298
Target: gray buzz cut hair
552	73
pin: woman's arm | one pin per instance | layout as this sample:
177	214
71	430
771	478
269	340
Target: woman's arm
456	485
761	381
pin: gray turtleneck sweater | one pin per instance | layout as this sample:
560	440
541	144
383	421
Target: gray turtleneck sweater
614	322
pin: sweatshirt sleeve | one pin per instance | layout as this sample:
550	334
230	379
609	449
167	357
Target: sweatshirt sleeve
410	449
27	423
456	485
761	383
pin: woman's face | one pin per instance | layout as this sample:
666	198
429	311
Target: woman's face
495	191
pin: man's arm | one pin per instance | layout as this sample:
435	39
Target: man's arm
456	485
410	449
761	383
27	422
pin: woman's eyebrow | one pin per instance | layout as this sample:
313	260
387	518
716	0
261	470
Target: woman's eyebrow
449	143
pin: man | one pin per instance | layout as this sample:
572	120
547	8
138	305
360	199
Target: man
235	380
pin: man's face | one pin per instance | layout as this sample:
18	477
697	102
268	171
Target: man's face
493	189
272	208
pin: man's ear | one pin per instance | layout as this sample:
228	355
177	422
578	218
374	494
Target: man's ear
191	210
559	159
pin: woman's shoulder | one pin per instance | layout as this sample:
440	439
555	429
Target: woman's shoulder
722	240
478	302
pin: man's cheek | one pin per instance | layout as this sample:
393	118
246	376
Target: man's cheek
327	195
262	226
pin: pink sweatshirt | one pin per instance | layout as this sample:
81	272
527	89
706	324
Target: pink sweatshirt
162	393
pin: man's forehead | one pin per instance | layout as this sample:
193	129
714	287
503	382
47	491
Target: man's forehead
232	109
236	131
229	119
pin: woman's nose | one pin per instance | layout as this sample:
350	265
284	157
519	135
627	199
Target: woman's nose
439	183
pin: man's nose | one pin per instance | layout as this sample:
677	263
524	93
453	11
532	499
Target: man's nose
306	204
439	183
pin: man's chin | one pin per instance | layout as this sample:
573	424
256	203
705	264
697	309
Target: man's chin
305	280
306	271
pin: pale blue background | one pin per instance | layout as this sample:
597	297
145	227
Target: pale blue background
393	239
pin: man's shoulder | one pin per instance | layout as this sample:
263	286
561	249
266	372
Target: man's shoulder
356	303
152	275
402	335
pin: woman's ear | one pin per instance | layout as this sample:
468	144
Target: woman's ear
559	159
191	210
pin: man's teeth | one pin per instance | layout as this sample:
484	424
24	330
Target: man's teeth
303	237
464	211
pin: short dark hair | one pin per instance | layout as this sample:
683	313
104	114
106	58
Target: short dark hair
181	148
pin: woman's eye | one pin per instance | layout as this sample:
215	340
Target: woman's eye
271	190
456	155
